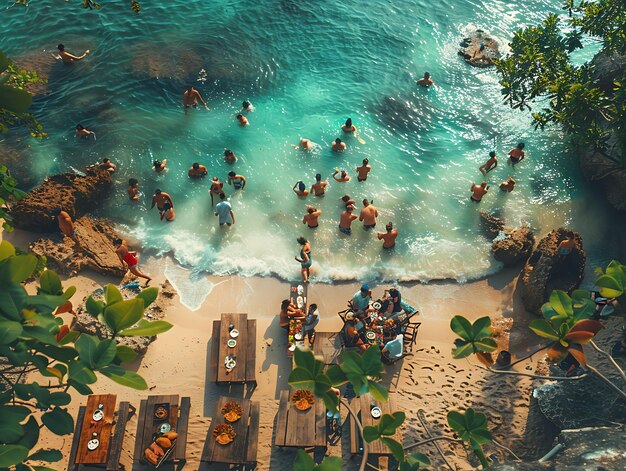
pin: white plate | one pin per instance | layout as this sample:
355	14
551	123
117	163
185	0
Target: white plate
300	289
292	348
98	415
165	427
370	335
231	343
300	302
377	306
93	444
376	412
234	333
298	336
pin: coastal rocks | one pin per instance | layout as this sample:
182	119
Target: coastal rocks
71	192
546	271
492	225
96	238
607	68
85	322
514	246
608	174
479	49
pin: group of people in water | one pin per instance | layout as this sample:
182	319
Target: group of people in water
516	155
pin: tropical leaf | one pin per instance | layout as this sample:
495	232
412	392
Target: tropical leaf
147	328
50	283
58	421
12	454
124	377
125	354
543	329
394	447
556	352
485	344
482	328
610	287
9	331
587	325
463	349
579	337
577	352
94	307
123	314
112	295
301	378
148	295
561	303
48	455
462	327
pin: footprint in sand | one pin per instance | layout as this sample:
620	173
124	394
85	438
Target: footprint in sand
431	379
427	368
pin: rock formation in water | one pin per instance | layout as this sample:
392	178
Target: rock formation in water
85	322
479	49
96	238
71	192
491	224
510	245
545	270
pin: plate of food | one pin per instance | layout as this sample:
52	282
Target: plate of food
224	434
93	444
234	333
232	411
300	302
298	336
98	415
231	343
161	412
302	399
230	362
376	412
300	290
292	348
377	306
370	335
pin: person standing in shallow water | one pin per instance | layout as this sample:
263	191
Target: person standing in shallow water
363	170
345	223
348	126
70	58
224	212
478	191
319	187
426	81
389	237
216	188
306	259
310	218
338	146
300	189
160	198
516	155
490	164
368	215
133	189
129	258
191	97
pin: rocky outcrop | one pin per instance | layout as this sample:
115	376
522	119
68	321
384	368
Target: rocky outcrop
585	449
607	68
479	49
98	254
513	246
606	173
492	225
546	271
85	322
70	192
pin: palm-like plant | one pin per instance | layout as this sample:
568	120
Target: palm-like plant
612	281
472	429
476	338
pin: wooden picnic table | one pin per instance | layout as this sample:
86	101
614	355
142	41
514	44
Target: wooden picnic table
148	425
109	449
362	407
244	351
299	428
328	346
243	449
293	297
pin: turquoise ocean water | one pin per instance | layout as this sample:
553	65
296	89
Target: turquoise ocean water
306	66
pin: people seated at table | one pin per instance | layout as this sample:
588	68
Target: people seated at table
360	302
392	302
393	348
351	336
310	322
289	311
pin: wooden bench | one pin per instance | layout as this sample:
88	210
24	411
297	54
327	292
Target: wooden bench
244	350
362	407
296	428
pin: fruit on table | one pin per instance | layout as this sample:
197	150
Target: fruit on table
164	442
157	450
170	436
150	456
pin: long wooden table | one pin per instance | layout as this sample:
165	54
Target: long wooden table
243	449
109	449
148	425
298	428
328	346
362	407
244	352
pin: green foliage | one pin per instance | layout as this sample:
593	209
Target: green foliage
33	339
539	70
612	281
15	99
471	427
304	462
8	193
475	338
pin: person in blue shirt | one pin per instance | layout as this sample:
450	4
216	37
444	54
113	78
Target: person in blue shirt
224	211
360	302
393	348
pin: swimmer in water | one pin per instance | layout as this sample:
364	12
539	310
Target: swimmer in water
83	132
490	164
347	201
426	81
345	223
246	106
338	146
343	176
310	218
516	155
229	156
306	144
238	181
389	237
319	187
300	189
191	97
478	191
159	166
69	58
107	165
363	170
216	188
197	171
348	126
243	121
368	215
168	213
508	184
160	198
133	189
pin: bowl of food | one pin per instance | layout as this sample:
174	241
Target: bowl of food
376	412
161	412
302	399
297	336
232	343
224	434
232	411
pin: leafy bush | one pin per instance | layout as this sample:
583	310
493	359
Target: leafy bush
34	339
475	338
612	281
8	194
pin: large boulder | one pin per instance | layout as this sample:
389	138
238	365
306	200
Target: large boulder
513	246
605	170
98	254
607	68
479	49
76	194
85	322
545	270
491	225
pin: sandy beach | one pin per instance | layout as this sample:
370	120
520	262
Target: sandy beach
430	380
